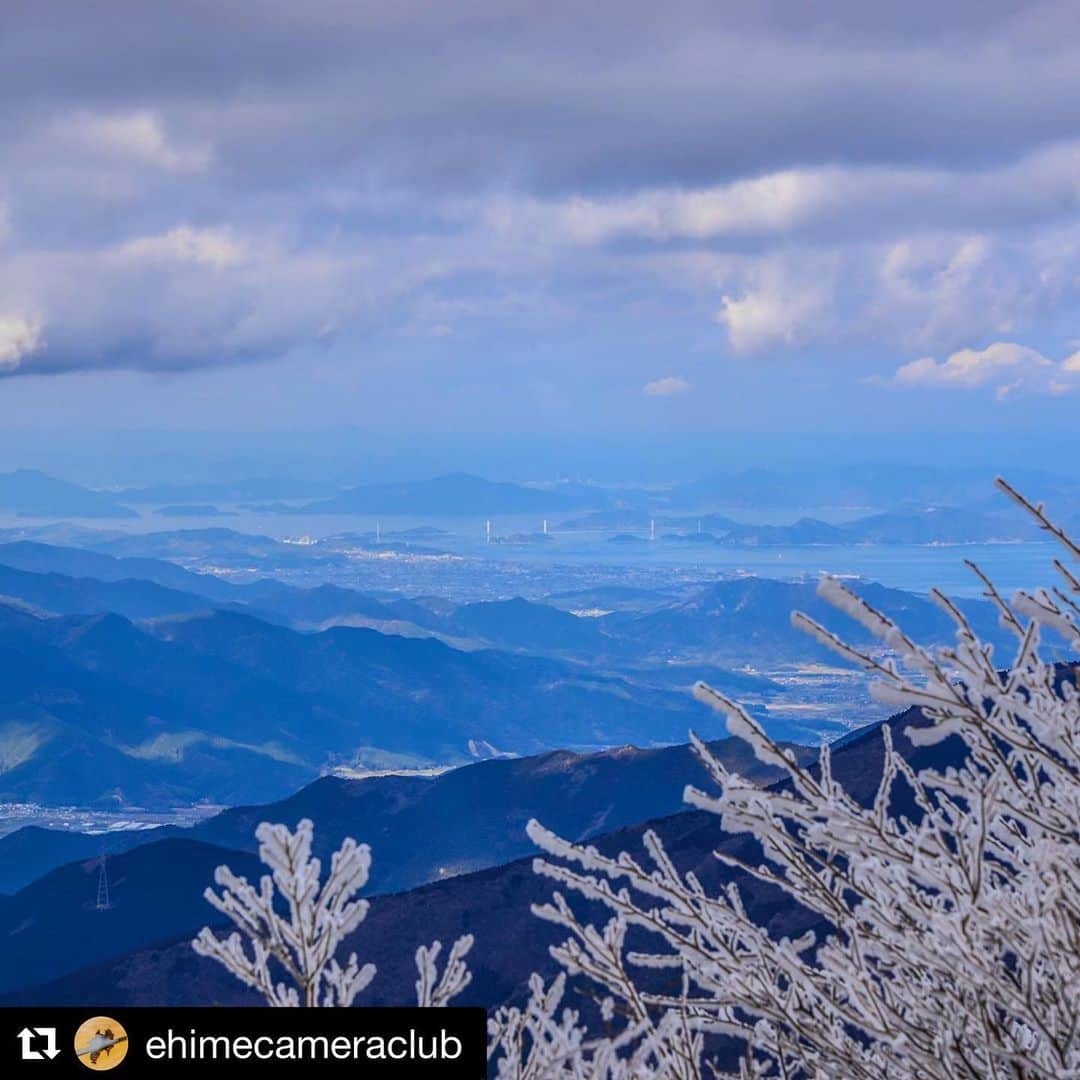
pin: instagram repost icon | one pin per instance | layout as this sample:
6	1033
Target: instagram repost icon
101	1043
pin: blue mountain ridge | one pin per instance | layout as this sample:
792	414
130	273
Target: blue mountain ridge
493	904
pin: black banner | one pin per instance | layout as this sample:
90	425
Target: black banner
135	1043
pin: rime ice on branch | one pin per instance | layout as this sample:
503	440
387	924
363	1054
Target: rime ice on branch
954	948
954	941
320	917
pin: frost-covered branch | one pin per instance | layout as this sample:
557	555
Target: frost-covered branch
949	901
433	989
304	944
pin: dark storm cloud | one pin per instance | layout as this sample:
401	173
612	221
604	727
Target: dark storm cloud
197	183
601	96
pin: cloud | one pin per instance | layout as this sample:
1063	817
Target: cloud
856	200
581	102
668	386
205	188
779	303
184	298
19	337
136	135
216	248
928	291
1004	366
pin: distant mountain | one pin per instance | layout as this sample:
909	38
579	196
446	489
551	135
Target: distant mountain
492	904
227	707
29	493
250	489
164	589
427	827
523	624
420	829
622	519
182	544
218	697
926	525
613	597
689	539
148	588
747	620
325	604
29	574
456	494
869	486
805	531
942	525
77	562
156	892
194	510
730	622
641	520
57	594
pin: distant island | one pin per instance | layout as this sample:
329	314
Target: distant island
29	493
194	510
934	525
450	495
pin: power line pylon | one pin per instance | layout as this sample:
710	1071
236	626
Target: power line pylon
103	902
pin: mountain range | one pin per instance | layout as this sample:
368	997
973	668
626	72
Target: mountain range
870	486
493	904
748	620
913	526
452	495
225	707
889	488
250	489
28	493
187	688
420	829
731	620
422	826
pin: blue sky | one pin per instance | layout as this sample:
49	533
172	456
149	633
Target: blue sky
509	217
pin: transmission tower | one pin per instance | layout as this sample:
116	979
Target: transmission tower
103	902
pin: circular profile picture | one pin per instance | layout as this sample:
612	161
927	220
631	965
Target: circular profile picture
101	1043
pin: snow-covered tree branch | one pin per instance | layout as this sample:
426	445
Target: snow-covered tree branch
939	918
947	906
320	916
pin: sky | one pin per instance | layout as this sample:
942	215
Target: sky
627	218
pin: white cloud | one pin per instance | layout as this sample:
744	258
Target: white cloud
19	337
1005	366
137	136
765	317
766	204
929	291
776	301
904	258
789	220
668	386
218	248
901	259
190	297
869	200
